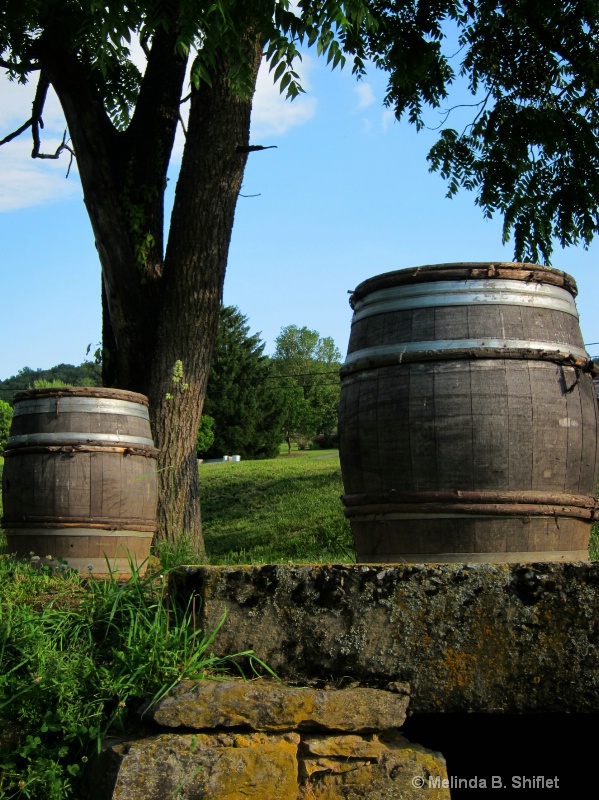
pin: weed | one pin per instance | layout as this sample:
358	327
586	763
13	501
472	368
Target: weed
78	659
594	544
174	554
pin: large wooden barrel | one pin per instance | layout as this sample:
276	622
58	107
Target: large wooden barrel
79	478
468	417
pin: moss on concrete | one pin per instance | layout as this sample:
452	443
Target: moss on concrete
479	637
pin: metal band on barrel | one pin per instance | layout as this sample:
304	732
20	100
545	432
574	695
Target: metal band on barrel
80	405
464	344
27	529
397	498
74	438
465	511
459	293
464	557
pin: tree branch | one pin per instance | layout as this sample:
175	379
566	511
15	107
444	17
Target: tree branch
183	128
253	148
35	122
143	42
35	153
16	133
21	69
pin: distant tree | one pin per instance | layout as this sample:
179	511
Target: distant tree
242	397
307	362
5	421
299	422
303	351
88	373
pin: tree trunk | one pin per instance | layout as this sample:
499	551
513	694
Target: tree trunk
123	176
194	271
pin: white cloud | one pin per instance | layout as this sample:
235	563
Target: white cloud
15	108
365	94
272	114
26	182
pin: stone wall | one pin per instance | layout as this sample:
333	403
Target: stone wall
507	638
500	661
260	740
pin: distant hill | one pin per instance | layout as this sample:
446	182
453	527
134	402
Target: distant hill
86	374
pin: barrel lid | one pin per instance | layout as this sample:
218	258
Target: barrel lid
82	391
462	271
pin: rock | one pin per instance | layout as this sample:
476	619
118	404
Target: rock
394	769
265	705
261	766
486	638
219	766
343	746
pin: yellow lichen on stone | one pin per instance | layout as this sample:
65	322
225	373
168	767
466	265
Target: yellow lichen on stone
264	705
400	770
460	666
334	766
211	766
350	746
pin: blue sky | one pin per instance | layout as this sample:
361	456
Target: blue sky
345	196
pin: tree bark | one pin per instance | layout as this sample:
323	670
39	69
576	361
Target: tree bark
123	176
194	271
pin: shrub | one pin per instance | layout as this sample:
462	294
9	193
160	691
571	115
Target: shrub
205	434
327	441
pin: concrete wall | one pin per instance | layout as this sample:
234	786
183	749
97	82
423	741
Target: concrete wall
508	638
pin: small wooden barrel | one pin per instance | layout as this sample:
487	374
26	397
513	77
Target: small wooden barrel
468	417
79	478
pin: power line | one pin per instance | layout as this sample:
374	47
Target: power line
303	375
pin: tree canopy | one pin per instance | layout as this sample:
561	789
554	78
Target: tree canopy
86	374
308	368
530	151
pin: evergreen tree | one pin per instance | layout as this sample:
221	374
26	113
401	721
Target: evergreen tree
242	397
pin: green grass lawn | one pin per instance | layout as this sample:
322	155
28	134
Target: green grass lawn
275	511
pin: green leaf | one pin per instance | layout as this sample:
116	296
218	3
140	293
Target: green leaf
279	71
